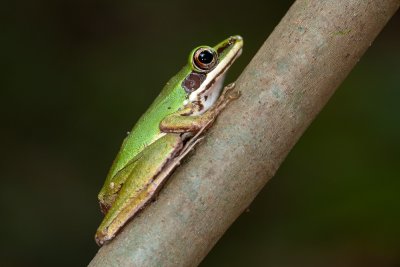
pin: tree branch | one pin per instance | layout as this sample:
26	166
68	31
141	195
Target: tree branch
283	88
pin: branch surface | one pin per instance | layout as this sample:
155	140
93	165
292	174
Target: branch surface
283	88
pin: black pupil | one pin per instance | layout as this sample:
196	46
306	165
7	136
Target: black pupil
206	57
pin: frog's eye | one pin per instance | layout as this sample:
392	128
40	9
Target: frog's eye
204	59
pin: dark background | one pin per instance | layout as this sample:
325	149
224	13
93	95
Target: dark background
76	75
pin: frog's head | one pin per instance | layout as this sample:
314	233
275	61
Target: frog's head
208	68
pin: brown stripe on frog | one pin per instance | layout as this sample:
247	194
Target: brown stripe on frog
219	74
226	45
198	104
194	80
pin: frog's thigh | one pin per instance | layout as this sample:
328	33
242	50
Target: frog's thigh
112	186
152	160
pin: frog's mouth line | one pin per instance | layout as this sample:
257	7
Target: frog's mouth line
222	72
207	98
216	73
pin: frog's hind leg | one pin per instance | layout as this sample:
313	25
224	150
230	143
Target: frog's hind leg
111	187
133	194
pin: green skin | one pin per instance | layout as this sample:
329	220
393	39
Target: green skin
159	136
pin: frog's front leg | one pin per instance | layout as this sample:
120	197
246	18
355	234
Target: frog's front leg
183	120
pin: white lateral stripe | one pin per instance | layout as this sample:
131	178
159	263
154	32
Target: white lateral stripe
212	75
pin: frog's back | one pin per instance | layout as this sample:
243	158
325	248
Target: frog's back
147	130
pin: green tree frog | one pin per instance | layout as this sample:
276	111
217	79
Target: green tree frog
188	103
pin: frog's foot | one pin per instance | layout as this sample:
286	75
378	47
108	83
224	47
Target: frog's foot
228	95
189	146
195	139
229	92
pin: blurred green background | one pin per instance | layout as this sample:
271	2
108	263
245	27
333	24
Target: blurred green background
76	75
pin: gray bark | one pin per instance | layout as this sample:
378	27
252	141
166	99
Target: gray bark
283	88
